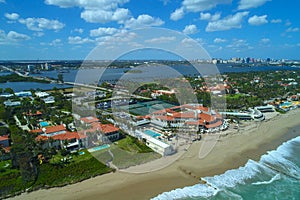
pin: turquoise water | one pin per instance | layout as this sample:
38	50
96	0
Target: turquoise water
152	133
286	104
98	148
43	124
275	176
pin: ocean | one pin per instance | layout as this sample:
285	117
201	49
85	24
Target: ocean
275	176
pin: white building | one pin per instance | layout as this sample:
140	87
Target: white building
156	145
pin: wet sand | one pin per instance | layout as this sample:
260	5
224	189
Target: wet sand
231	151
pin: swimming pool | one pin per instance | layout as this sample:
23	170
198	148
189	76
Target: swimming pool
43	124
152	133
286	104
98	148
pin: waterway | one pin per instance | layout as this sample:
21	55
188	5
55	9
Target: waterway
113	74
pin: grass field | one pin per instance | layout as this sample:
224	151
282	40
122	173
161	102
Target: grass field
126	152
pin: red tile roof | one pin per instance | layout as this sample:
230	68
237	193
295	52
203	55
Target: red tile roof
68	136
64	136
105	128
207	117
53	129
218	123
41	138
50	129
4	137
184	115
37	131
89	119
34	114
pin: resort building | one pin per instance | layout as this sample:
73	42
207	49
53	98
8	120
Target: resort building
251	114
189	116
155	144
267	108
99	132
59	137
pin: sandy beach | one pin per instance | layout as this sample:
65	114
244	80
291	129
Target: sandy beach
231	151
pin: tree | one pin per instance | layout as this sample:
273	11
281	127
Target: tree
60	78
9	90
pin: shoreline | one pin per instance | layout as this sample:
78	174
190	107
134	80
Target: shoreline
231	151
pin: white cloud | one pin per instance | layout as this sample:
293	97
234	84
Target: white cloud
79	40
196	6
201	5
258	20
210	17
219	40
2	1
190	29
189	42
40	24
276	21
165	2
103	31
229	22
105	16
177	14
142	21
78	30
239	45
88	4
288	23
292	30
55	43
39	34
97	11
12	37
12	16
265	40
246	4
122	36
161	39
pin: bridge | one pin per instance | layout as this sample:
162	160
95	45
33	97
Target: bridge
71	83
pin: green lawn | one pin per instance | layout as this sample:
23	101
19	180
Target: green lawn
81	167
126	152
132	144
11	180
52	174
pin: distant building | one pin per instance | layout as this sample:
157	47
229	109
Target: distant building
6	95
158	93
30	68
42	94
49	100
23	94
12	103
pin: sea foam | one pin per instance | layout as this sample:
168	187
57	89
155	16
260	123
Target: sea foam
282	162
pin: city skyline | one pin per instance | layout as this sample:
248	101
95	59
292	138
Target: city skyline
62	29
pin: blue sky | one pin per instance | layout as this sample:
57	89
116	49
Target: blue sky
71	29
